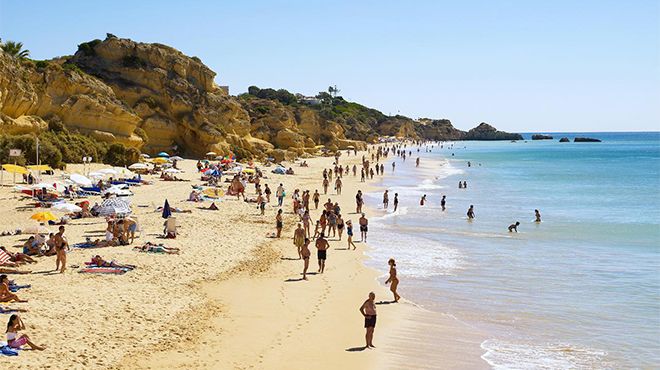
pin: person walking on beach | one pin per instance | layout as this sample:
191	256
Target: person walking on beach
537	214
364	228
316	198
514	227
349	233
326	183
267	191
305	253
382	169
393	280
470	212
396	201
358	202
386	199
299	239
61	246
443	202
278	223
354	170
14	325
368	310
279	193
261	203
338	185
322	247
362	175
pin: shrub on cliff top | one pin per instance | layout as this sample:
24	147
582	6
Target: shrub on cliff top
87	48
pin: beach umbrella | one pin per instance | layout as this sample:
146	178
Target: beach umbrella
36	229
138	166
211	154
172	170
163	154
167	212
12	168
41	167
122	171
80	180
66	207
43	216
145	155
176	158
108	171
159	160
114	206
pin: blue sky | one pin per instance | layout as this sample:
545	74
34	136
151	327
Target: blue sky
519	65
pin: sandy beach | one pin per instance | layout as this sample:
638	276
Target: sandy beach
233	298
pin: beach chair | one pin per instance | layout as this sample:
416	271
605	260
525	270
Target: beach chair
170	228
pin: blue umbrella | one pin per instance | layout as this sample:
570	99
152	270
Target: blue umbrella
163	154
167	212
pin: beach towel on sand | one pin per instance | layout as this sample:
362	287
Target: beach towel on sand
104	270
83	245
8	351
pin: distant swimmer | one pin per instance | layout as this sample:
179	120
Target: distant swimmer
538	215
460	185
423	200
464	184
470	212
396	201
514	227
443	202
417	162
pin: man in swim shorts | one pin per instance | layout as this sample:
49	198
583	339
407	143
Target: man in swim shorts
322	246
364	227
368	310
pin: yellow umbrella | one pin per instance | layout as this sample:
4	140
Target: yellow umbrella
213	193
43	217
41	167
159	160
15	169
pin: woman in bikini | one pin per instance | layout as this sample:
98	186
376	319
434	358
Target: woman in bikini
340	225
393	280
5	294
305	256
14	340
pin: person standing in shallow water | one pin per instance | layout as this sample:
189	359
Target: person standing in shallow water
514	227
386	199
396	201
443	202
537	214
423	200
368	310
470	212
393	280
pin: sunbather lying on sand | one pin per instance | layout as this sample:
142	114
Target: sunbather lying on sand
100	262
153	248
174	210
18	257
5	294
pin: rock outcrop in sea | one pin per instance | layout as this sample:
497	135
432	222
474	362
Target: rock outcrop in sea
541	137
586	140
153	97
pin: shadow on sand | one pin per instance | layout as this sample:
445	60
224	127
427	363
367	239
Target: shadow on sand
356	349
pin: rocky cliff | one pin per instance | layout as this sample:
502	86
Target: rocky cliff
153	97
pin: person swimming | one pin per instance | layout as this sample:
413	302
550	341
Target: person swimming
537	214
514	227
470	212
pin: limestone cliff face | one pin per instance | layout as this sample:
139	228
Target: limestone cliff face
487	132
174	96
29	94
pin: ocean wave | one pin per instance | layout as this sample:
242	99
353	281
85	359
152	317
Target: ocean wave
517	356
418	257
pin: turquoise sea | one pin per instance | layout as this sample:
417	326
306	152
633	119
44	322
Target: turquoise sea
581	290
